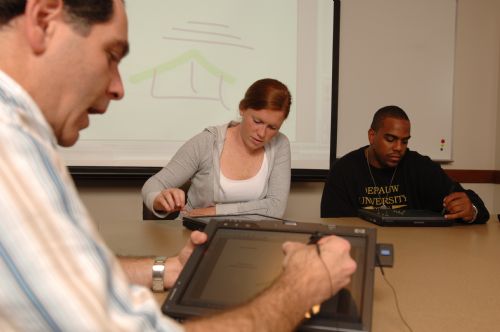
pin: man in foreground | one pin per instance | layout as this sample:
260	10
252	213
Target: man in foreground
386	174
58	64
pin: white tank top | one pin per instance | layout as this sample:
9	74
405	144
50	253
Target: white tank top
232	191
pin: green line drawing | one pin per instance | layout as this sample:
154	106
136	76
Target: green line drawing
181	60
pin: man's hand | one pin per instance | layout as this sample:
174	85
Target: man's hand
170	200
175	264
324	273
139	269
458	206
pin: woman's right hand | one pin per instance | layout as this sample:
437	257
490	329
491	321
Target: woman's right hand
170	200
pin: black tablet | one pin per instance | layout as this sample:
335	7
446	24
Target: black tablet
401	217
243	257
199	223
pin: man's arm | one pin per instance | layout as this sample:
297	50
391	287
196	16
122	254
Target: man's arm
442	191
139	269
308	278
482	212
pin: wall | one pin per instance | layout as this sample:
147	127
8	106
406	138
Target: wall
476	84
475	121
497	150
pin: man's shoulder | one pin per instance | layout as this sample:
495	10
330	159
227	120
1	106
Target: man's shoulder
415	157
354	156
419	163
349	163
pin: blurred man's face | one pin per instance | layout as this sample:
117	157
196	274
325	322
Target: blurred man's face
88	65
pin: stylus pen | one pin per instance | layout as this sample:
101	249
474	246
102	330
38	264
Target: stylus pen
314	240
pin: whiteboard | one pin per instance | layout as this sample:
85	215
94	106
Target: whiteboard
190	64
397	52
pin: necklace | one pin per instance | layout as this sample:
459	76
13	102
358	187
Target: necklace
383	206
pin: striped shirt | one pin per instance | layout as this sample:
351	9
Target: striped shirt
56	273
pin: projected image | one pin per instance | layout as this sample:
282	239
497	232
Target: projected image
189	66
192	61
192	75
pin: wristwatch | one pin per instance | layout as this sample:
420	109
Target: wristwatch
475	213
158	273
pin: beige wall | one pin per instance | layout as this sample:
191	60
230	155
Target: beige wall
475	120
497	150
476	115
120	203
476	84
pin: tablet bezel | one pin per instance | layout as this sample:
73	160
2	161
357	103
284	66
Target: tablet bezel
173	304
200	222
407	218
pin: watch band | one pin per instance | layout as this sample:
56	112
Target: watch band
158	273
475	213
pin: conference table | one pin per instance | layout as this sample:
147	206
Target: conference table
445	278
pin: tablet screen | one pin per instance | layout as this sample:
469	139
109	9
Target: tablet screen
238	265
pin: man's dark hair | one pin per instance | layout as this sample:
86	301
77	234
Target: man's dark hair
387	112
83	13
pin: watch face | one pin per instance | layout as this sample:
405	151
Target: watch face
158	268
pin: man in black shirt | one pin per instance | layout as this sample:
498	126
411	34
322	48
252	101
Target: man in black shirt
386	174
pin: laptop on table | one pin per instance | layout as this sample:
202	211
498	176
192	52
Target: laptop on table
242	257
400	217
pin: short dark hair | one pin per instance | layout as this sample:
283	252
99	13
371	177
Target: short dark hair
391	111
83	13
267	93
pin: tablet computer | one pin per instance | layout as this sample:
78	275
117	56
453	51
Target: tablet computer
242	257
199	223
400	217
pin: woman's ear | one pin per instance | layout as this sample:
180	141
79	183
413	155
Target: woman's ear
39	18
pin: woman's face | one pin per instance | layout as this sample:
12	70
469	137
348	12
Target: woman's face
259	126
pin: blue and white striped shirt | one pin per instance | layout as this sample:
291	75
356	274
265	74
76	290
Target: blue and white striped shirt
56	274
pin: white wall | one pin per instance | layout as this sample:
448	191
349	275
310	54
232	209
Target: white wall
476	84
475	122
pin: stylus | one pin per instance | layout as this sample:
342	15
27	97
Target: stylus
314	238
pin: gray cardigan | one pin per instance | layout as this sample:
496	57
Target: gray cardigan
198	160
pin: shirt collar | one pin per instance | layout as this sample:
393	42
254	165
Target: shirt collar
21	108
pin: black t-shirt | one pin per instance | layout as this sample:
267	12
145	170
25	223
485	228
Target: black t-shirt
418	183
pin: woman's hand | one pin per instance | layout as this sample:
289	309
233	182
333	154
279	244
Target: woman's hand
170	200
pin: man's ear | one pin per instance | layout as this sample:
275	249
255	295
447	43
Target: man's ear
40	14
371	136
